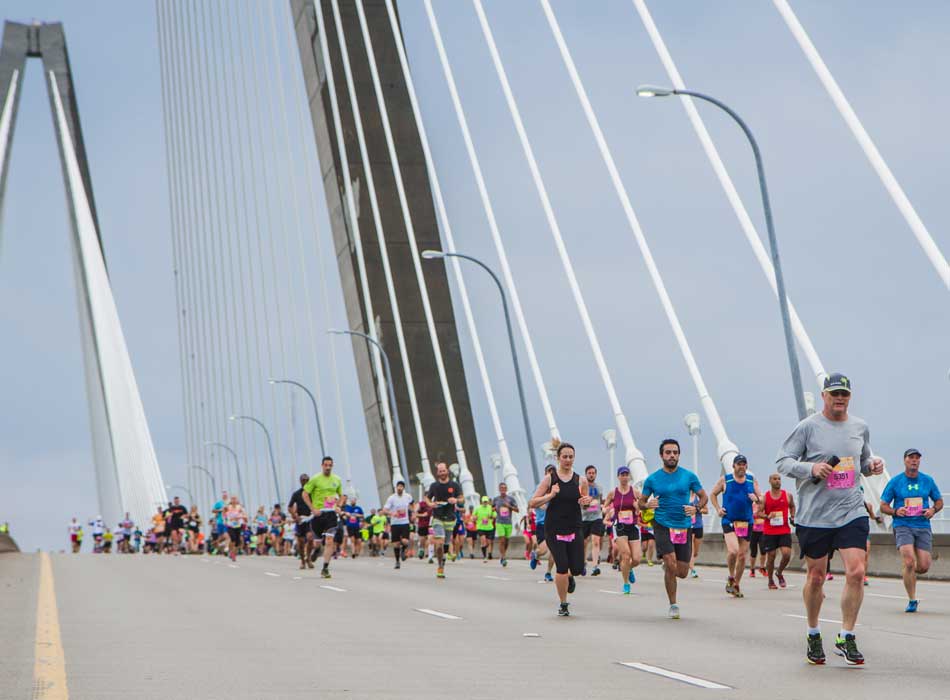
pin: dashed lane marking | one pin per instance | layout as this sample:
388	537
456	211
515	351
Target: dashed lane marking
271	573
675	675
334	588
436	613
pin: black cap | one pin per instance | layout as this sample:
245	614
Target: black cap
912	451
739	458
836	381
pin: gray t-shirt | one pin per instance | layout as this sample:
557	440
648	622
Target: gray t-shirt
503	506
398	507
593	512
836	500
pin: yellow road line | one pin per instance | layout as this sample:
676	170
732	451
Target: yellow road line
49	671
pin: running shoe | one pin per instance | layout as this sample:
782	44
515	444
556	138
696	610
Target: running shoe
571	584
763	571
632	578
431	560
829	577
548	577
398	564
450	556
693	574
781	581
596	571
422	555
911	606
470	555
325	573
563	611
533	562
865	580
615	566
504	562
730	585
674	612
752	573
849	650
772	586
440	572
736	592
626	589
815	652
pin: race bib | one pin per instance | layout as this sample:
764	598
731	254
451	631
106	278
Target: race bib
401	513
594	507
503	512
484	521
677	535
758	525
625	517
692	519
843	475
777	519
741	528
914	506
329	503
565	538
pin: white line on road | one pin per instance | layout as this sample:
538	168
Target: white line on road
436	613
884	595
676	676
296	578
530	634
604	590
271	573
234	566
334	588
820	619
497	578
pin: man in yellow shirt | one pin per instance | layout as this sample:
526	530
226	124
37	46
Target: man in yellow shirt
323	494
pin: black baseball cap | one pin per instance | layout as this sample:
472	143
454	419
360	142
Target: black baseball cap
912	451
739	458
836	381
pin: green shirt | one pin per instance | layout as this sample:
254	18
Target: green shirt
324	491
378	522
484	515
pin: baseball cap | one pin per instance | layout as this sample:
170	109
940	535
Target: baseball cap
912	451
623	469
485	499
739	458
835	381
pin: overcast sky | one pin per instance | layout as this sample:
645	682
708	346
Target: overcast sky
871	301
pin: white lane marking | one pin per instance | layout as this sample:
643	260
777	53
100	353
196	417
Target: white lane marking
820	619
604	590
296	578
436	613
675	675
234	566
884	595
271	573
497	578
530	634
334	588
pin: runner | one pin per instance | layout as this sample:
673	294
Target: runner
592	520
740	491
176	523
696	530
235	518
74	539
540	516
378	522
484	516
824	453
301	513
126	526
917	499
645	522
324	491
107	541
756	556
193	526
621	508
98	528
353	514
289	535
667	490
220	529
398	508
779	509
504	506
565	494
276	528
423	518
442	495
471	532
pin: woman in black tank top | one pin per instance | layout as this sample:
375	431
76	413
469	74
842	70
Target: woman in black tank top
565	493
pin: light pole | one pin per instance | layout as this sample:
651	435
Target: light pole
693	427
237	466
316	411
437	254
610	441
655	91
394	410
214	484
270	450
169	487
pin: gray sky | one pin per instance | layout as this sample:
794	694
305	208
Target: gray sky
870	300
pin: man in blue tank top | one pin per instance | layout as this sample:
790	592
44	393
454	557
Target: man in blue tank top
740	491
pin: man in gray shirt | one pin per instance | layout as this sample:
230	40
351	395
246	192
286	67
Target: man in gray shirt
592	518
504	505
826	454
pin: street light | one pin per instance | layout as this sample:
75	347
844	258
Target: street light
610	441
316	412
169	487
391	385
691	420
214	484
270	450
237	466
656	91
438	254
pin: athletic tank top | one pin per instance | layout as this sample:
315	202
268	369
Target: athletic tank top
773	507
623	502
564	512
736	501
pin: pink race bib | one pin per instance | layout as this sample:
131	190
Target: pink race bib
758	525
625	517
843	475
914	506
677	535
503	512
565	538
401	513
741	528
329	503
484	521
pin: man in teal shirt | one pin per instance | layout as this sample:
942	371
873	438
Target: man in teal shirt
913	498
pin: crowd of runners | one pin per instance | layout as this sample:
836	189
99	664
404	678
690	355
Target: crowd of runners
570	518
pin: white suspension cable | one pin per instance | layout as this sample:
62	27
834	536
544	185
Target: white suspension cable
511	473
633	456
351	211
910	215
726	448
745	221
492	224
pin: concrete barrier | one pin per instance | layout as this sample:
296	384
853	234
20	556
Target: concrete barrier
7	543
885	559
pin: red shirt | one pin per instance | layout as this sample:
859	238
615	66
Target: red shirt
773	506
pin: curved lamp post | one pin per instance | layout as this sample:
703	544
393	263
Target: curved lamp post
237	466
270	450
313	400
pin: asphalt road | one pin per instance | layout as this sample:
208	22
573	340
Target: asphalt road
199	627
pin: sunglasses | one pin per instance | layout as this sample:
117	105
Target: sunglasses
839	393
